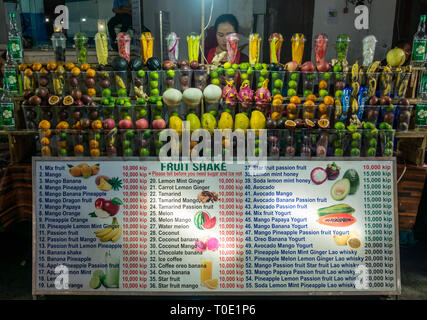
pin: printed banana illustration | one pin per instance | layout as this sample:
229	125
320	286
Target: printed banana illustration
111	233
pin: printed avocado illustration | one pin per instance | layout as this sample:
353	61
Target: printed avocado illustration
340	189
353	177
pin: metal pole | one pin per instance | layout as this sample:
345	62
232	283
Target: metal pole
202	35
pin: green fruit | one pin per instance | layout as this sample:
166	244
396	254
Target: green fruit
235	66
338	152
214	74
264	73
292	84
104	101
354	152
95	282
337	143
63	152
170	74
213	112
154	75
230	72
371	152
258	66
142	113
250	71
307	92
373	142
146	134
244	76
340	189
355	143
154	84
338	94
337	68
275	75
294	76
122	92
389	145
291	93
144	152
353	177
154	92
275	91
388	152
194	121
356	136
326	76
278	83
106	92
141	73
158	144
126	143
128	152
220	70
227	65
215	81
129	134
323	93
63	136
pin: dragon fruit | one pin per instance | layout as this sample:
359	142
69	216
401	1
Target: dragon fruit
229	94
246	94
263	95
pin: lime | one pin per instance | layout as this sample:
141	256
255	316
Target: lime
373	142
338	94
141	101
154	92
144	152
275	91
258	66
294	76
104	101
154	84
141	73
130	134
170	74
371	152
159	103
154	75
354	143
63	152
213	112
339	126
338	152
307	92
142	113
158	143
214	74
355	152
323	93
264	72
389	145
227	65
265	66
337	143
337	68
220	70
147	134
250	71
291	93
326	76
121	92
230	72
244	76
63	136
261	79
215	81
106	92
275	75
235	66
388	152
128	152
278	83
126	143
356	136
292	84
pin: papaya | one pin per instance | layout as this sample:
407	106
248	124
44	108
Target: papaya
338	208
337	220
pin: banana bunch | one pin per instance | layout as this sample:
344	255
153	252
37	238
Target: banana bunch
120	82
28	83
111	233
372	79
338	109
355	79
386	80
58	84
354	106
402	80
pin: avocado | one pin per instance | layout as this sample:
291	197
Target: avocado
340	189
353	177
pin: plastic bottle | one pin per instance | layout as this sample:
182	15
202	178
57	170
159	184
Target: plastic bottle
419	45
14	39
59	45
11	73
7	117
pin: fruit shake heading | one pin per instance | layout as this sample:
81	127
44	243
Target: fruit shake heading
172	42
193	42
276	41
147	43
254	48
298	41
369	44
342	44
123	41
232	47
320	46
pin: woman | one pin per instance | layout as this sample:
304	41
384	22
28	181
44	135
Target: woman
224	25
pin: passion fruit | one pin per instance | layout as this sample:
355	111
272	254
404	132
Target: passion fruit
35	100
74	82
42	92
323	123
53	100
68	101
76	94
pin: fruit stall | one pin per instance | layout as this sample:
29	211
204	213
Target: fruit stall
332	130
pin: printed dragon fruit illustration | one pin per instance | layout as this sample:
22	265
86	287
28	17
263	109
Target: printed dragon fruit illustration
246	94
229	94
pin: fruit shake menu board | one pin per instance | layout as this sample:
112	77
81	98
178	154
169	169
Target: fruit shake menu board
281	227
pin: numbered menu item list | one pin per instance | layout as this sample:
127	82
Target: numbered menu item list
284	226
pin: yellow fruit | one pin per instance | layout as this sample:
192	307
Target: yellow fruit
97	124
45	141
211	284
44	124
241	122
91	92
95	152
46	151
75	71
91	73
93	144
79	149
85	66
104	185
257	120
341	240
226	121
175	123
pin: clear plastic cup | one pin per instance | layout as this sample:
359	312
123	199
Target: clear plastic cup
320	46
128	142
342	44
324	83
232	40
372	83
401	82
145	142
101	46
80	42
292	82
306	143
123	44
275	40
298	42
273	139
386	83
368	48
79	145
277	82
354	143
388	114
289	143
338	142
372	114
387	142
404	117
370	142
309	81
320	140
96	142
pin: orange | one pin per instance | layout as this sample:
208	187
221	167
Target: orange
62	125
85	66
93	144
311	97
46	133
22	67
324	116
37	66
309	103
79	149
45	141
328	100
69	66
291	107
28	72
91	73
75	71
61	143
323	84
44	124
46	151
295	100
95	152
44	72
91	92
97	124
275	116
51	66
323	108
60	69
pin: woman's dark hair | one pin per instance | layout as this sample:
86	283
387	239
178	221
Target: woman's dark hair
3	55
229	18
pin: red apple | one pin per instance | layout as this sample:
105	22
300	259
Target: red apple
142	124
125	124
109	124
159	124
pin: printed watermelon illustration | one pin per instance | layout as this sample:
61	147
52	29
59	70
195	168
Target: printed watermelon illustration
203	221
